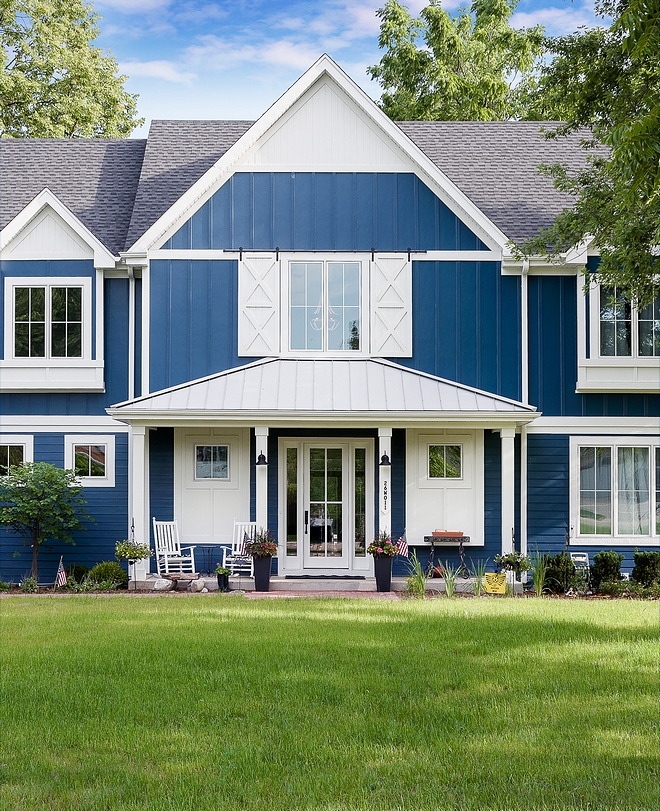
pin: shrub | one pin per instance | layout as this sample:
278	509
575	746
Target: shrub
76	572
606	568
560	573
28	584
647	568
417	577
109	570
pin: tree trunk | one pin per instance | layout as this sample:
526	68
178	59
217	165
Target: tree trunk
35	557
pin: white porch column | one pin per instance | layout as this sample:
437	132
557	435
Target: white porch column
139	494
261	477
384	481
507	436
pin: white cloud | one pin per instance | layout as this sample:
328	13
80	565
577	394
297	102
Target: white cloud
156	69
132	6
556	21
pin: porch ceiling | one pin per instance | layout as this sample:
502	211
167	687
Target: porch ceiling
293	391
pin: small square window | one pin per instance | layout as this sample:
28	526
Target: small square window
10	456
211	461
90	461
92	458
445	462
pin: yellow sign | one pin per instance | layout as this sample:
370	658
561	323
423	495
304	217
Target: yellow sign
495	583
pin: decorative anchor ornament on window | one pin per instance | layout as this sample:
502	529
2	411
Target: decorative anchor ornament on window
317	322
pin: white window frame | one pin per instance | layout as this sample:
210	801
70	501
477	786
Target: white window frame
614	538
325	258
443	444
213	444
47	373
603	373
26	440
71	440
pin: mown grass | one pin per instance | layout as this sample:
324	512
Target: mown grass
219	702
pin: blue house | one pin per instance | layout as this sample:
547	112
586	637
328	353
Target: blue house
336	293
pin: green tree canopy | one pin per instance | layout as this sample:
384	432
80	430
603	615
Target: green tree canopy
53	82
41	503
607	80
472	66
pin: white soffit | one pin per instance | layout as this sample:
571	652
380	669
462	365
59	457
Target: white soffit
47	229
282	388
372	127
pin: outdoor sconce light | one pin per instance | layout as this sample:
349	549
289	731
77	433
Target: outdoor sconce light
261	459
385	460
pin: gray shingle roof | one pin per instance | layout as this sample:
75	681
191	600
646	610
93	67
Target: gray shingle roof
96	178
178	153
496	164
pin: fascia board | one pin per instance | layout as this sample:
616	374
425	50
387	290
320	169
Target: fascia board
102	256
451	195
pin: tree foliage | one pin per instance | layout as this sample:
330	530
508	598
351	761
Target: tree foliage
438	67
41	503
53	82
607	80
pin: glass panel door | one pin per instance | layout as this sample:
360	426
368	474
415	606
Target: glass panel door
325	510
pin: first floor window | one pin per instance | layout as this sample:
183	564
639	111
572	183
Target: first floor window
616	490
325	306
211	461
92	458
444	462
89	461
10	456
48	322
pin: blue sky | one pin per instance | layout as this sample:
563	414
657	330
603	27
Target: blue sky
234	58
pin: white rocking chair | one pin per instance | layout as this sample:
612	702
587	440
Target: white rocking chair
171	557
233	558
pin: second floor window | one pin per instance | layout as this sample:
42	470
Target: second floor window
47	322
624	331
325	306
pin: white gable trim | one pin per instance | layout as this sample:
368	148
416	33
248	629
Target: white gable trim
428	172
10	236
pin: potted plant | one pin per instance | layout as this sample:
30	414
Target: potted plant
513	562
261	548
383	551
223	577
131	551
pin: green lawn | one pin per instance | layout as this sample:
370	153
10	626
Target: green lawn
218	702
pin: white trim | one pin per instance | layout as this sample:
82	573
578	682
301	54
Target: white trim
102	256
26	440
62	423
595	425
131	334
324	67
524	333
523	489
613	539
70	440
211	443
415	256
146	321
507	440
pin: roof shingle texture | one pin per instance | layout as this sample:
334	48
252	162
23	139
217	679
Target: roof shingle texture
96	178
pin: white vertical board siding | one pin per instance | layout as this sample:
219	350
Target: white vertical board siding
391	307
259	305
48	237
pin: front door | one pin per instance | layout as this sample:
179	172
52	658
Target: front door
325	511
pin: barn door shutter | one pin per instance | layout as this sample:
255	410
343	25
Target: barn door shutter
259	305
391	307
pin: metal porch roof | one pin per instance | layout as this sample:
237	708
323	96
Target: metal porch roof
282	389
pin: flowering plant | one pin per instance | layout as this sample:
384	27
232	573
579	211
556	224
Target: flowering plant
132	550
220	569
513	562
382	545
262	545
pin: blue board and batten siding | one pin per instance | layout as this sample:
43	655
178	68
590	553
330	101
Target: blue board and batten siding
324	211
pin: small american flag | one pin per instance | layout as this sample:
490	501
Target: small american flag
244	545
402	545
60	580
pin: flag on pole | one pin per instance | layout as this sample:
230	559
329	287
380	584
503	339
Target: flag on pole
402	545
244	545
60	580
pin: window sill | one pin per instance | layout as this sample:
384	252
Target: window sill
612	540
618	374
52	375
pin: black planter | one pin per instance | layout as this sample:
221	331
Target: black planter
383	572
223	582
262	573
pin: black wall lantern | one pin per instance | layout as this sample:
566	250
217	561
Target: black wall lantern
261	459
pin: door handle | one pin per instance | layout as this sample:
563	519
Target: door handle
306	520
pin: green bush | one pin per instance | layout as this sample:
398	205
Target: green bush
28	584
605	568
560	573
647	568
76	572
108	570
